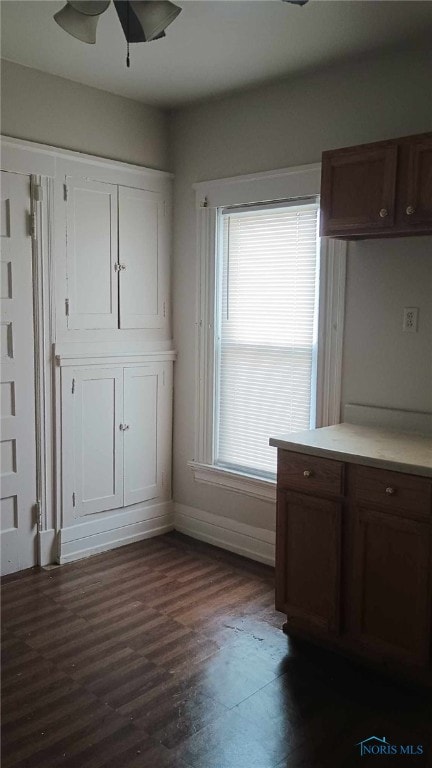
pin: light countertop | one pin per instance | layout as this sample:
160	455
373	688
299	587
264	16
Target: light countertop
372	446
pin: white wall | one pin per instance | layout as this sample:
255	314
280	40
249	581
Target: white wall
289	124
51	110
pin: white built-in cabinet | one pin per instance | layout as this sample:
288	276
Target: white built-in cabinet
116	437
114	354
117	258
97	236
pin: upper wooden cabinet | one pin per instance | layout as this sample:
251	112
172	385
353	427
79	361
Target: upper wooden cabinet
378	190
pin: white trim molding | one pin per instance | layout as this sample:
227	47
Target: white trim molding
246	540
74	360
114	530
239	482
330	331
29	157
300	182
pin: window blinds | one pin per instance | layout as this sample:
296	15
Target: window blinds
266	340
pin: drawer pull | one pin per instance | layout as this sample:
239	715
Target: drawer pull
390	491
307	473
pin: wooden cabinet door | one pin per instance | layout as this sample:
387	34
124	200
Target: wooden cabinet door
308	555
391	582
145	413
91	254
358	190
417	200
143	255
92	411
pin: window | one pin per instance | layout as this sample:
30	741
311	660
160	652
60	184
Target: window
266	331
269	324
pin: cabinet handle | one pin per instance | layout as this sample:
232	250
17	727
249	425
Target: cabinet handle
124	427
307	473
390	491
410	210
119	267
383	213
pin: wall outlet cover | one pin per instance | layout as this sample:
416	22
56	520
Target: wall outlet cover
410	319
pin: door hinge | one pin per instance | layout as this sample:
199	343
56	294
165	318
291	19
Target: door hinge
67	307
37	511
73	499
37	193
65	192
33	225
73	386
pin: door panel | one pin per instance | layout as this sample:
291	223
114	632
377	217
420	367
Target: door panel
98	440
91	253
17	445
308	561
391	609
358	189
142	441
140	251
418	201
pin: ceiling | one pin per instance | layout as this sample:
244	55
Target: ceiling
214	46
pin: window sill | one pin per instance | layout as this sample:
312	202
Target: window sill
234	481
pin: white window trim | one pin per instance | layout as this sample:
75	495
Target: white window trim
303	181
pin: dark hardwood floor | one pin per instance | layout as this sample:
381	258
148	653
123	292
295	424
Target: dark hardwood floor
168	653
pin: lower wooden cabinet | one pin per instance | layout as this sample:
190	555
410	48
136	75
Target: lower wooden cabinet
308	561
353	561
390	607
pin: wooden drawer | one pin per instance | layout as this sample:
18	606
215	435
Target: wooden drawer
393	491
301	472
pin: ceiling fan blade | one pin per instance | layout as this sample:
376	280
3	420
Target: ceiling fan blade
79	19
145	20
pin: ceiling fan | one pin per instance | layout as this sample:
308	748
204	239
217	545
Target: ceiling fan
141	20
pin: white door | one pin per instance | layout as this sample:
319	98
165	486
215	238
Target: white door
143	253
142	439
17	440
93	476
91	254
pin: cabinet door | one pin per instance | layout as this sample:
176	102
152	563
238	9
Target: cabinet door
96	403
308	553
143	256
418	198
144	436
391	578
358	190
91	254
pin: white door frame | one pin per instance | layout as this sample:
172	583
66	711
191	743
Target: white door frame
43	312
27	163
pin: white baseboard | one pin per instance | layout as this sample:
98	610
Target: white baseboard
75	542
247	540
47	547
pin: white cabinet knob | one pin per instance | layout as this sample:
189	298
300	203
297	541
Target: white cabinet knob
307	473
390	491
